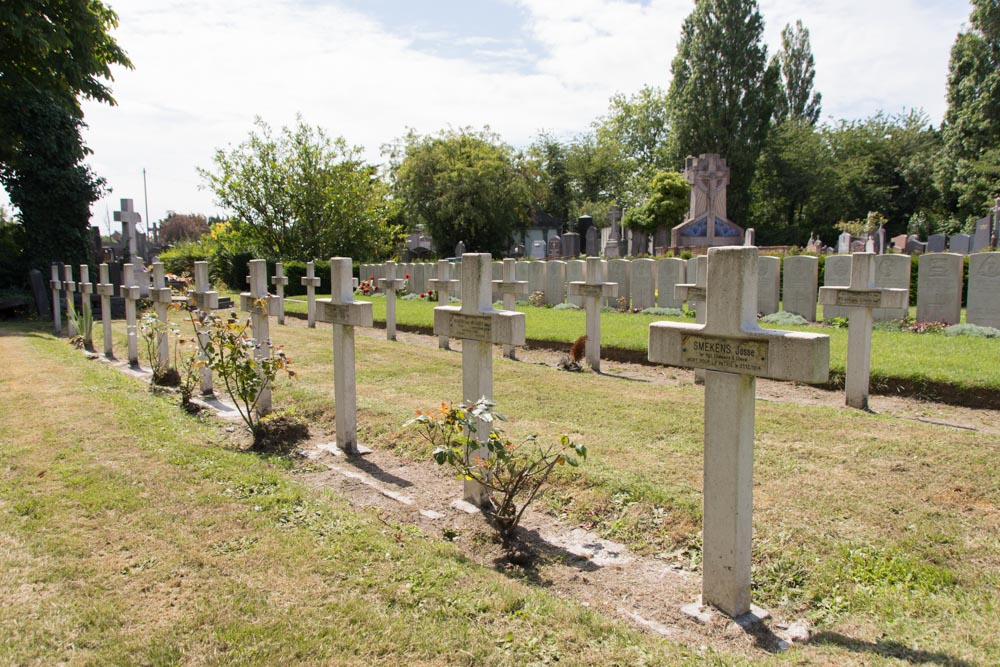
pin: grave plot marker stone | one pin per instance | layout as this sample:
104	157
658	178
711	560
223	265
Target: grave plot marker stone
643	283
106	290
443	285
69	287
130	291
311	282
536	277
984	290
344	313
859	299
86	306
960	243
257	302
936	242
670	271
768	284
575	271
837	273
56	286
479	326
799	288
509	287
279	280
893	270
389	285
694	295
619	272
734	352
207	300
555	281
594	290
161	296
939	288
129	218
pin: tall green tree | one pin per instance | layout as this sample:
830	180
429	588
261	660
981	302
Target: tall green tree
548	176
462	185
300	194
796	99
969	170
638	126
721	97
665	206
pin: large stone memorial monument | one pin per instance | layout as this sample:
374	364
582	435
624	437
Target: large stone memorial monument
707	224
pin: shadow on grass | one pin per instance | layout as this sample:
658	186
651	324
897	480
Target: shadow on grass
888	648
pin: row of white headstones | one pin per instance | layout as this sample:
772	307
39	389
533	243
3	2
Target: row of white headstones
726	344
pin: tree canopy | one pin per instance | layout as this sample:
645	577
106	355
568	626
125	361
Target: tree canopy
796	99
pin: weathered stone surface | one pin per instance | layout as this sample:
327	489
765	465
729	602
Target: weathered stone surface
984	290
799	288
939	288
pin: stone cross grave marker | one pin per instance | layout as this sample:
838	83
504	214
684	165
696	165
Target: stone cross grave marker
129	219
594	289
56	286
389	285
479	326
69	287
734	351
106	290
205	299
162	297
257	302
130	291
509	287
344	313
859	299
279	280
311	282
86	307
443	285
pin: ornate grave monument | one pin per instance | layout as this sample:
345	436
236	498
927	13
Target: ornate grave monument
707	224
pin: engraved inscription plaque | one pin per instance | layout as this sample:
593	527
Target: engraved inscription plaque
336	313
696	294
859	298
724	354
470	327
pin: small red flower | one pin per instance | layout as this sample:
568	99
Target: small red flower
407	276
423	295
371	277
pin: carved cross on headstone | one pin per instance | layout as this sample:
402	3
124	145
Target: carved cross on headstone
56	286
344	313
257	302
279	280
106	290
594	290
129	219
509	287
162	297
311	282
389	284
734	351
479	327
443	285
859	299
86	307
69	287
130	291
204	299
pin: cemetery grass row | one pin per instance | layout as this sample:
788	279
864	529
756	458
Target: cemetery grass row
917	560
949	369
97	566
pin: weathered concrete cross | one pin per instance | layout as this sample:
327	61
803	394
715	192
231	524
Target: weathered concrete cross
86	307
162	297
509	287
734	351
56	286
443	285
256	302
130	291
389	284
344	313
205	299
859	299
279	280
479	327
311	282
129	218
594	290
106	290
69	287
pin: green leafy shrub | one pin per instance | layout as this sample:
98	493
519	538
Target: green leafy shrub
971	330
181	257
566	306
783	318
84	322
664	312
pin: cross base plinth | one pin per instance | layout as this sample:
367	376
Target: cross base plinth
335	449
705	614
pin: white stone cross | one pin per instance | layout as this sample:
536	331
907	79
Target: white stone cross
279	280
735	351
344	313
594	290
205	299
311	282
56	286
86	307
69	287
106	290
694	294
509	288
129	218
443	285
389	284
479	327
162	297
130	291
859	299
257	302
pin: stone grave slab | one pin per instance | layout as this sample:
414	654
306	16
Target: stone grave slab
939	288
799	288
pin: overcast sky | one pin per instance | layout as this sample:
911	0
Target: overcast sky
368	69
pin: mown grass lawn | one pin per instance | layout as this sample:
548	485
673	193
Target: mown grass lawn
885	532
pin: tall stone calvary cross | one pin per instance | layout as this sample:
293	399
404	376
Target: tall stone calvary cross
734	351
